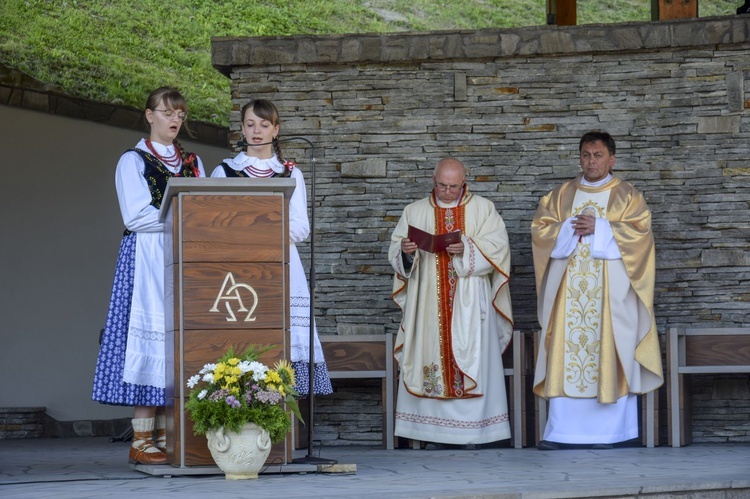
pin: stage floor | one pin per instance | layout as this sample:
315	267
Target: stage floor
82	467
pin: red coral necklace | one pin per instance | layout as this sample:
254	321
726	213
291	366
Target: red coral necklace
256	172
172	161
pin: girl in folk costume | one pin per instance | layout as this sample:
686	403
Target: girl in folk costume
130	369
262	158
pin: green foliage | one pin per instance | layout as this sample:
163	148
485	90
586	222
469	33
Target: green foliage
238	389
118	51
211	415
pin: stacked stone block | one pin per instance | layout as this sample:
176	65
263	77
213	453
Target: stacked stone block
22	422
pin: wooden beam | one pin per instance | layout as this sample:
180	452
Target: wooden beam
661	10
561	12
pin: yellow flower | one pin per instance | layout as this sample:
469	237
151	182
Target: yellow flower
272	377
234	375
284	368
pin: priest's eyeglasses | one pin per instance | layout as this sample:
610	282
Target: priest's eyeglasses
446	187
170	114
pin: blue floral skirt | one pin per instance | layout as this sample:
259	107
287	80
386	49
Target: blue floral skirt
109	388
321	381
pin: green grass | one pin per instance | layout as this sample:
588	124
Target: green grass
118	51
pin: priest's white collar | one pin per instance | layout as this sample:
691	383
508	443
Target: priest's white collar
598	183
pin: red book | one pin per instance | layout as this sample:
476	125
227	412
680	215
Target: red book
433	243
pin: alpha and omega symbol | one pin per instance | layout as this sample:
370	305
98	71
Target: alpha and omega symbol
231	294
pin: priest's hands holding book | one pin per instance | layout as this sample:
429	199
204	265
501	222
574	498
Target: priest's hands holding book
417	238
408	247
455	249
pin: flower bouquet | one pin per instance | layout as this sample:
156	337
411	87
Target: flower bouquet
238	389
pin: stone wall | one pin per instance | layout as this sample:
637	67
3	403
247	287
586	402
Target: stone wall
352	415
21	422
512	104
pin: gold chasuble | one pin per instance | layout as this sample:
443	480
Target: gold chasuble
599	333
456	323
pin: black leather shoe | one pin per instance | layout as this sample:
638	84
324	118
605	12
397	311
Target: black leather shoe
547	445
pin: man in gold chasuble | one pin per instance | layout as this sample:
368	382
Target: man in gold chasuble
594	262
457	317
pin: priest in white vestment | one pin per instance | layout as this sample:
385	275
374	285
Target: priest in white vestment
595	263
457	318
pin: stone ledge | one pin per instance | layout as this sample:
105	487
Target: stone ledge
33	422
18	89
227	53
86	428
22	422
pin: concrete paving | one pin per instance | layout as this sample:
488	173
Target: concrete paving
84	467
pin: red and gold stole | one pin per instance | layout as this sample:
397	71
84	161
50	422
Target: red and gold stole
448	220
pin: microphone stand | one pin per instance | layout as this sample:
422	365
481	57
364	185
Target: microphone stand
310	458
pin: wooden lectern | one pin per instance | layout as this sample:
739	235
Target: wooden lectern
226	285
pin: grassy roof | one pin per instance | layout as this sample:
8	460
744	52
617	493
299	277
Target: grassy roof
117	51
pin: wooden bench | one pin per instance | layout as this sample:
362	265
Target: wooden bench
648	417
365	356
699	351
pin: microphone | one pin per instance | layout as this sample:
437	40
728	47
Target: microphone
242	143
310	457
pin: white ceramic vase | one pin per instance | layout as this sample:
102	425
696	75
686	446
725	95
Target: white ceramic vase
240	455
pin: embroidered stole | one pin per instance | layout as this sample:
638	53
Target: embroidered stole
584	285
447	220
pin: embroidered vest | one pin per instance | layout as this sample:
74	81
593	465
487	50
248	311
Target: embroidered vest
157	175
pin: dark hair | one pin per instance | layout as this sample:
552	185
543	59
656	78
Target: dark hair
595	136
265	109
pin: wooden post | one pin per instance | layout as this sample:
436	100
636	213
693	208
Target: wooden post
561	12
662	10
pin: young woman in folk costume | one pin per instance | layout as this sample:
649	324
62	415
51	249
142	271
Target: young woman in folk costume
262	158
130	370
